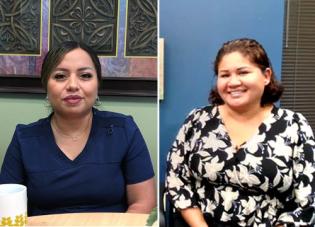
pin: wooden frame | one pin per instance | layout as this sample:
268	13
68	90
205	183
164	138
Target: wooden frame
111	86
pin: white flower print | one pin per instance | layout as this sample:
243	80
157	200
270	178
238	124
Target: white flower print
204	117
249	206
287	182
251	160
278	162
285	217
241	187
246	177
305	127
280	148
176	158
292	133
195	138
309	170
226	216
277	179
182	202
211	206
299	168
211	141
228	197
174	181
265	185
255	143
232	176
230	152
302	192
180	136
213	167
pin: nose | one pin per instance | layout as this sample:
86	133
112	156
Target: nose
72	83
234	80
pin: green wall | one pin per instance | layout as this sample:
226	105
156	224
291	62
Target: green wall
26	108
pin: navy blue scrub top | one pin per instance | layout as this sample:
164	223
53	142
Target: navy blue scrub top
115	155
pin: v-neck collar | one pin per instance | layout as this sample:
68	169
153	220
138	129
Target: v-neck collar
264	123
60	154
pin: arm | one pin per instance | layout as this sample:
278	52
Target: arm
179	183
303	178
194	217
138	172
141	197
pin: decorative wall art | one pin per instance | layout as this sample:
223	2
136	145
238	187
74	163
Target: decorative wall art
122	32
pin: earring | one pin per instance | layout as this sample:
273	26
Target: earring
48	104
97	101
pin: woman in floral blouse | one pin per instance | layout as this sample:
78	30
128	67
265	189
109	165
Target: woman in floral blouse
242	161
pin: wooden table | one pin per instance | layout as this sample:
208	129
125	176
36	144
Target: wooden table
89	219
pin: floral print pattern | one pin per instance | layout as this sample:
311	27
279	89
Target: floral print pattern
268	180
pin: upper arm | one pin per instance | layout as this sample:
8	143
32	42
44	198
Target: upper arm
137	165
141	196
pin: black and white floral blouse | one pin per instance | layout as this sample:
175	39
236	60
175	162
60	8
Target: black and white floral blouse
268	180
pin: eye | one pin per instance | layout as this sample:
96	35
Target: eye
86	76
59	76
243	73
224	75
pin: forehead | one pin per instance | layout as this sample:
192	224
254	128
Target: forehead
235	59
76	57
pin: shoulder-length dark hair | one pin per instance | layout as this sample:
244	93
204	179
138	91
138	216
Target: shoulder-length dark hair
257	55
55	56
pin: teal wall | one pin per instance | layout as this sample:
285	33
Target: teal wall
26	108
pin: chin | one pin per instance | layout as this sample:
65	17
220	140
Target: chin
236	105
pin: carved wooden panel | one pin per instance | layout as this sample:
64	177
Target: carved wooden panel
20	27
93	22
141	32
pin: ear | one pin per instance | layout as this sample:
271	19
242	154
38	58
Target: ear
267	73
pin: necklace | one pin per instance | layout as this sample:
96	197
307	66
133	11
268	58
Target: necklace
74	138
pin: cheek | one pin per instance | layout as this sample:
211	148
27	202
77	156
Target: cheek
91	89
51	89
220	86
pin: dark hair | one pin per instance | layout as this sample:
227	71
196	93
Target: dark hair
55	56
256	54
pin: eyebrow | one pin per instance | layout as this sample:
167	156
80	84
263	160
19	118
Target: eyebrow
80	69
240	68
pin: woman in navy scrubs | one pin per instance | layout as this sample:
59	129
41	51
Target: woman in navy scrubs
79	159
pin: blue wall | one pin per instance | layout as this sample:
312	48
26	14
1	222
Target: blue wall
193	32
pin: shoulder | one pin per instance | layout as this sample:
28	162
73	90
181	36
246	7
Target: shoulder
290	115
296	120
205	112
112	119
34	129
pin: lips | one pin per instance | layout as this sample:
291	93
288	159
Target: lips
236	93
72	99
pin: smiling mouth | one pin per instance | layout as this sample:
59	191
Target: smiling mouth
236	94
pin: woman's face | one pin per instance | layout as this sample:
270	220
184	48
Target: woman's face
240	82
72	86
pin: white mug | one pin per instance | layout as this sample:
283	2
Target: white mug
13	205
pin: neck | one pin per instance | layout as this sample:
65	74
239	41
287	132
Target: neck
246	114
72	128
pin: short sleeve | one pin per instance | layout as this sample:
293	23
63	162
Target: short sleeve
179	180
304	178
12	170
137	165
